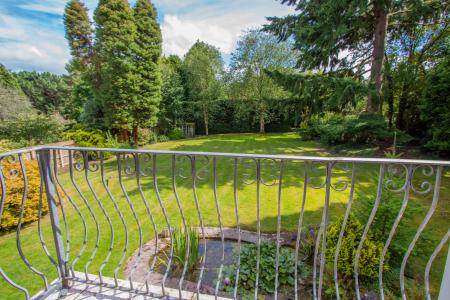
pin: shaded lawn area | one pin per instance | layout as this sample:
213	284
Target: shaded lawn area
291	196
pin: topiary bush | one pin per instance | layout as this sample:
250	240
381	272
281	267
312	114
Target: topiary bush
370	253
14	192
247	271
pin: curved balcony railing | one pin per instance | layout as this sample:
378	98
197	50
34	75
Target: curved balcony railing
114	217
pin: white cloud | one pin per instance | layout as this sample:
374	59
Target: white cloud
39	44
30	47
180	34
219	24
48	7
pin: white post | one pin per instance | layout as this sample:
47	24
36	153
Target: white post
444	292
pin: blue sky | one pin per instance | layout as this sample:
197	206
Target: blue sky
32	32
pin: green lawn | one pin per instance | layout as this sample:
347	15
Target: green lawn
292	189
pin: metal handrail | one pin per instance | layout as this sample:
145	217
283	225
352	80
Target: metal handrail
200	165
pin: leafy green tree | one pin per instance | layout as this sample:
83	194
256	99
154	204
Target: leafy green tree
7	80
435	108
171	111
257	52
47	92
115	82
31	129
317	93
349	36
148	51
13	102
203	67
78	33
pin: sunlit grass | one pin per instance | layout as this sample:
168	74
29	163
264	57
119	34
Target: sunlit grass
291	197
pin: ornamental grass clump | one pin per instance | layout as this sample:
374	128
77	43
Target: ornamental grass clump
183	241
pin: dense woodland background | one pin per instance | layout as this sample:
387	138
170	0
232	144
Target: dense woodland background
345	72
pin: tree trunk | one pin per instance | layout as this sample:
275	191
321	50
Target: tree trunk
381	21
388	88
402	107
135	135
261	123
124	135
205	119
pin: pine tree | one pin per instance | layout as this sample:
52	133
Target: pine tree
115	83
148	52
349	36
78	34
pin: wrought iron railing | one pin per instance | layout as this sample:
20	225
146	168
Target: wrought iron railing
114	213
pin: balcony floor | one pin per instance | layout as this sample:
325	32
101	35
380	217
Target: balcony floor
84	291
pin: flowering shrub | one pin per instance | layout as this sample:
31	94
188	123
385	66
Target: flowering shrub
14	192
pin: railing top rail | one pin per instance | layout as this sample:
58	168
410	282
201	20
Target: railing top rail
239	155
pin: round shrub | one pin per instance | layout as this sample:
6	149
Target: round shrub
14	192
176	134
370	253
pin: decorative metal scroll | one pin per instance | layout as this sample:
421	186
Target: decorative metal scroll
268	171
398	178
185	165
14	171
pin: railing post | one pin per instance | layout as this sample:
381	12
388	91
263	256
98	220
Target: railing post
445	284
44	159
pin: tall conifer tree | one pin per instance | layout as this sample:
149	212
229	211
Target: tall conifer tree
148	52
115	84
79	34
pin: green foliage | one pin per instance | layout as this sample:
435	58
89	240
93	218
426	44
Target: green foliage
15	191
335	129
435	108
256	52
13	102
315	93
146	65
370	253
114	80
47	92
185	242
175	134
78	33
87	138
7	80
202	67
162	138
247	271
31	130
92	114
171	112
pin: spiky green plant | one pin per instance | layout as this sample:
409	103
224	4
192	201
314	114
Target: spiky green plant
182	241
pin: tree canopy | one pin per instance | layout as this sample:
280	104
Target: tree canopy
203	67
